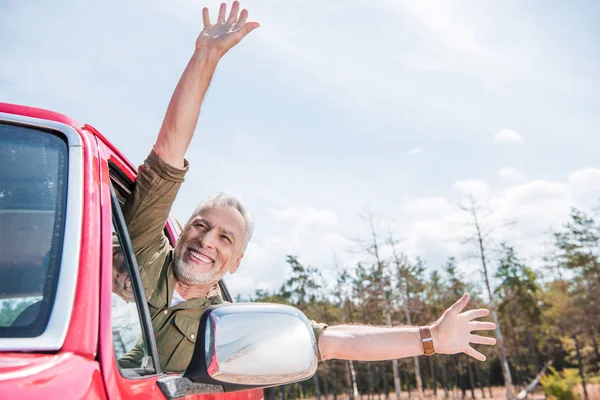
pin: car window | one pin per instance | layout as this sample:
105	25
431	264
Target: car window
33	188
132	331
130	348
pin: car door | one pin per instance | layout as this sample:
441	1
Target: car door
124	323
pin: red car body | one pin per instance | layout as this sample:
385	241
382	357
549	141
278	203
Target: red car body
85	366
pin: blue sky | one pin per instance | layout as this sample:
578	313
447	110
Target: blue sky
332	109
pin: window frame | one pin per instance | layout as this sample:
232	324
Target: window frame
55	333
138	290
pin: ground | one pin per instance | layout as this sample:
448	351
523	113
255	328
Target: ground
497	392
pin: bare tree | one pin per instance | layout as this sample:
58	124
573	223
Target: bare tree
341	293
480	239
373	247
403	269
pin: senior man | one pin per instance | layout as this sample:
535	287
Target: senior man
181	282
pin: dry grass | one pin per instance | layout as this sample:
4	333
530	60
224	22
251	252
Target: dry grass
497	392
592	390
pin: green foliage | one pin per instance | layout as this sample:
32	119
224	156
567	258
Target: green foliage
518	288
560	386
303	284
578	244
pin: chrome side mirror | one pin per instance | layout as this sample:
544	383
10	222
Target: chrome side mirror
246	345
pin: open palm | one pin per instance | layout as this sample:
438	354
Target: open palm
225	33
452	332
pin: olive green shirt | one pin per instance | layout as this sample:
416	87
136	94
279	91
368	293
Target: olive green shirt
146	212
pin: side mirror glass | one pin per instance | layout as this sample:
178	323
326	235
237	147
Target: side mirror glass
246	345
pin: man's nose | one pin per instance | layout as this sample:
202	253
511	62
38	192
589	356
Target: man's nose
209	240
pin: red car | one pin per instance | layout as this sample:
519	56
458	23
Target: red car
67	313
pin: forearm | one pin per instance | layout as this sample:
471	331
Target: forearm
184	108
369	343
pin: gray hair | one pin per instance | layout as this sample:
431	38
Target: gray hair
224	199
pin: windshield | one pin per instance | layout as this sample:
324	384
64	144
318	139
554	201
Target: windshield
33	187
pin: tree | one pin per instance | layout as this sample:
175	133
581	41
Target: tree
407	277
302	288
341	294
480	240
578	250
518	296
380	284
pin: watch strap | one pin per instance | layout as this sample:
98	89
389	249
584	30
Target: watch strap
427	340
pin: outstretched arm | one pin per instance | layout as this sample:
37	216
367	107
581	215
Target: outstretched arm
451	334
184	108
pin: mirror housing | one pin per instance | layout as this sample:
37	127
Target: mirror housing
252	345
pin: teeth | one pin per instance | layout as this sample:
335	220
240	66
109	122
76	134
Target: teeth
200	257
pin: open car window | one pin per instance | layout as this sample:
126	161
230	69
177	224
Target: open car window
123	186
33	190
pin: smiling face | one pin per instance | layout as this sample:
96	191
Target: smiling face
210	245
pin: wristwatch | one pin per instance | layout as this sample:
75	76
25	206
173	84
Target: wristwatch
427	340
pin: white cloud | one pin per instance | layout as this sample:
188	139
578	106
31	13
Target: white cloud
508	136
310	233
434	226
479	189
448	39
299	214
427	205
511	173
431	227
415	151
586	178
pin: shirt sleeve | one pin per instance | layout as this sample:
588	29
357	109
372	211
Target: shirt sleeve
133	358
318	328
146	212
148	207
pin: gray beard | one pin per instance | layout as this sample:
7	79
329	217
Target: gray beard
187	275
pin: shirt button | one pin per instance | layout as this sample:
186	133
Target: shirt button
192	335
165	312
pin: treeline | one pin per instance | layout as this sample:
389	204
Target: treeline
549	314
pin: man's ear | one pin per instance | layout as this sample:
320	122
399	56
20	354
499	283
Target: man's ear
236	265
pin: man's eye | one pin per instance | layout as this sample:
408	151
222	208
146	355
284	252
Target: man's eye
227	238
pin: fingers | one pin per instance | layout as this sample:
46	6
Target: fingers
472	314
241	20
249	27
222	13
243	31
460	304
233	14
477	339
205	17
475	354
482	326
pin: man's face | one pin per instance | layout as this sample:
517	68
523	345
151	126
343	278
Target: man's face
210	246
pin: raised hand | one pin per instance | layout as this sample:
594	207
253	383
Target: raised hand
452	332
218	38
